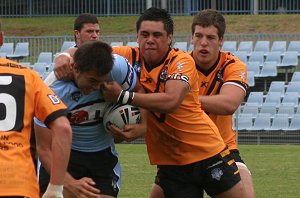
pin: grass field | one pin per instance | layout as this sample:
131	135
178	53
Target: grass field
275	170
236	24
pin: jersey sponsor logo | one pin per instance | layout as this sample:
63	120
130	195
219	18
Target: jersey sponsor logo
179	77
88	114
54	99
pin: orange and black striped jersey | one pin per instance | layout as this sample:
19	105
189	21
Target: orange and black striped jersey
23	95
227	70
187	135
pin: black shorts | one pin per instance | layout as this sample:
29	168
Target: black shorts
103	167
214	175
235	154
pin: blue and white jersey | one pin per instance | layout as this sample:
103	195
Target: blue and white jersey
86	111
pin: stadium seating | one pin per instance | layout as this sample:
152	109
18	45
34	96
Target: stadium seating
262	122
279	46
277	86
40	68
253	66
251	78
295	77
293	87
116	43
132	44
270	108
242	55
21	51
246	46
66	45
286	108
273	57
262	46
252	110
257	56
280	122
7	48
291	97
229	46
244	122
273	98
294	46
295	123
191	47
181	45
45	57
255	98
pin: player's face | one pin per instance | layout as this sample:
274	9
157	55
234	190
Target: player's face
88	32
206	45
89	81
153	41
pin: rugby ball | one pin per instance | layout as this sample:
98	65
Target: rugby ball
120	115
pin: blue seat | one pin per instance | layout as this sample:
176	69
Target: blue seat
45	57
40	68
21	51
280	122
246	46
294	46
257	56
242	56
116	43
181	45
262	46
273	57
296	77
262	122
279	46
255	98
66	45
7	48
295	123
132	44
229	46
253	66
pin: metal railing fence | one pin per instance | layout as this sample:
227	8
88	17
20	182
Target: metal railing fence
31	8
53	44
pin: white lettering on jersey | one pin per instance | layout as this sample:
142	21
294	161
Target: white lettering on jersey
54	99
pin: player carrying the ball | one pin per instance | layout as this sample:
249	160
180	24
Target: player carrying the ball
94	170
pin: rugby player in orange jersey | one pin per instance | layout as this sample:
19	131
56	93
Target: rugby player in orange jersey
23	95
223	82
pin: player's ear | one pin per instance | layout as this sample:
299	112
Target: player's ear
1	38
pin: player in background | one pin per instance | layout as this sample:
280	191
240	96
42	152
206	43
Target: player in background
94	170
23	95
223	82
86	28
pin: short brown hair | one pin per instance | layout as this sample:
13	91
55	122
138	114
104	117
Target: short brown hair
210	17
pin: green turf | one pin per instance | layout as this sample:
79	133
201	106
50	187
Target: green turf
275	170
